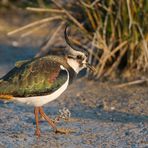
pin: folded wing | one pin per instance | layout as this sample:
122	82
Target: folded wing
33	78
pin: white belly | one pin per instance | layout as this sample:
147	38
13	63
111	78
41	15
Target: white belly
41	100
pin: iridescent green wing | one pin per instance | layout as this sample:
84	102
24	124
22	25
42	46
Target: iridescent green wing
32	78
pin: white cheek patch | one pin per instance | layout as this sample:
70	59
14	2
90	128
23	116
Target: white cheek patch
74	65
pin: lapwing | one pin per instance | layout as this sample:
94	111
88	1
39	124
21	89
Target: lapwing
39	81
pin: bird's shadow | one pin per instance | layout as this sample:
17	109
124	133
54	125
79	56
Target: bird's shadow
98	113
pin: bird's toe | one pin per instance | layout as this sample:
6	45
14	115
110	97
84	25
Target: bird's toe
64	131
37	133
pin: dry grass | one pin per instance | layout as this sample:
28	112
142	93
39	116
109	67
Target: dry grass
115	32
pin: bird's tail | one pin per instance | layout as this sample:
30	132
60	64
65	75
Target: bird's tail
6	97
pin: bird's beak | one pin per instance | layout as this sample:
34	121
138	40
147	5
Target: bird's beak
92	68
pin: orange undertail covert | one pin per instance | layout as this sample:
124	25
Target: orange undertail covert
5	97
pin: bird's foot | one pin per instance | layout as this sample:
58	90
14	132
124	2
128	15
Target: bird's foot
37	132
64	131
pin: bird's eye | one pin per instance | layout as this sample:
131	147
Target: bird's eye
79	57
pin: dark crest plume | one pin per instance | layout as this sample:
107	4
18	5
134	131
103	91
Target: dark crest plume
71	44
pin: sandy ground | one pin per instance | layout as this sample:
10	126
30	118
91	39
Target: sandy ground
101	114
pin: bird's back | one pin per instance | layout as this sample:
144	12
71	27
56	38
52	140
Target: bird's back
34	77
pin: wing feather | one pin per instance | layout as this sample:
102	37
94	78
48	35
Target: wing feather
37	77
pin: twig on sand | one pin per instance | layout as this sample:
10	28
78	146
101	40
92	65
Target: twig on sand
132	83
31	31
45	10
34	24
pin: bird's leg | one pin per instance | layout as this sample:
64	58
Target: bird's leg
47	118
57	130
36	112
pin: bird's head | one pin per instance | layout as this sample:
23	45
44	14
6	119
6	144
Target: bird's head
77	58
